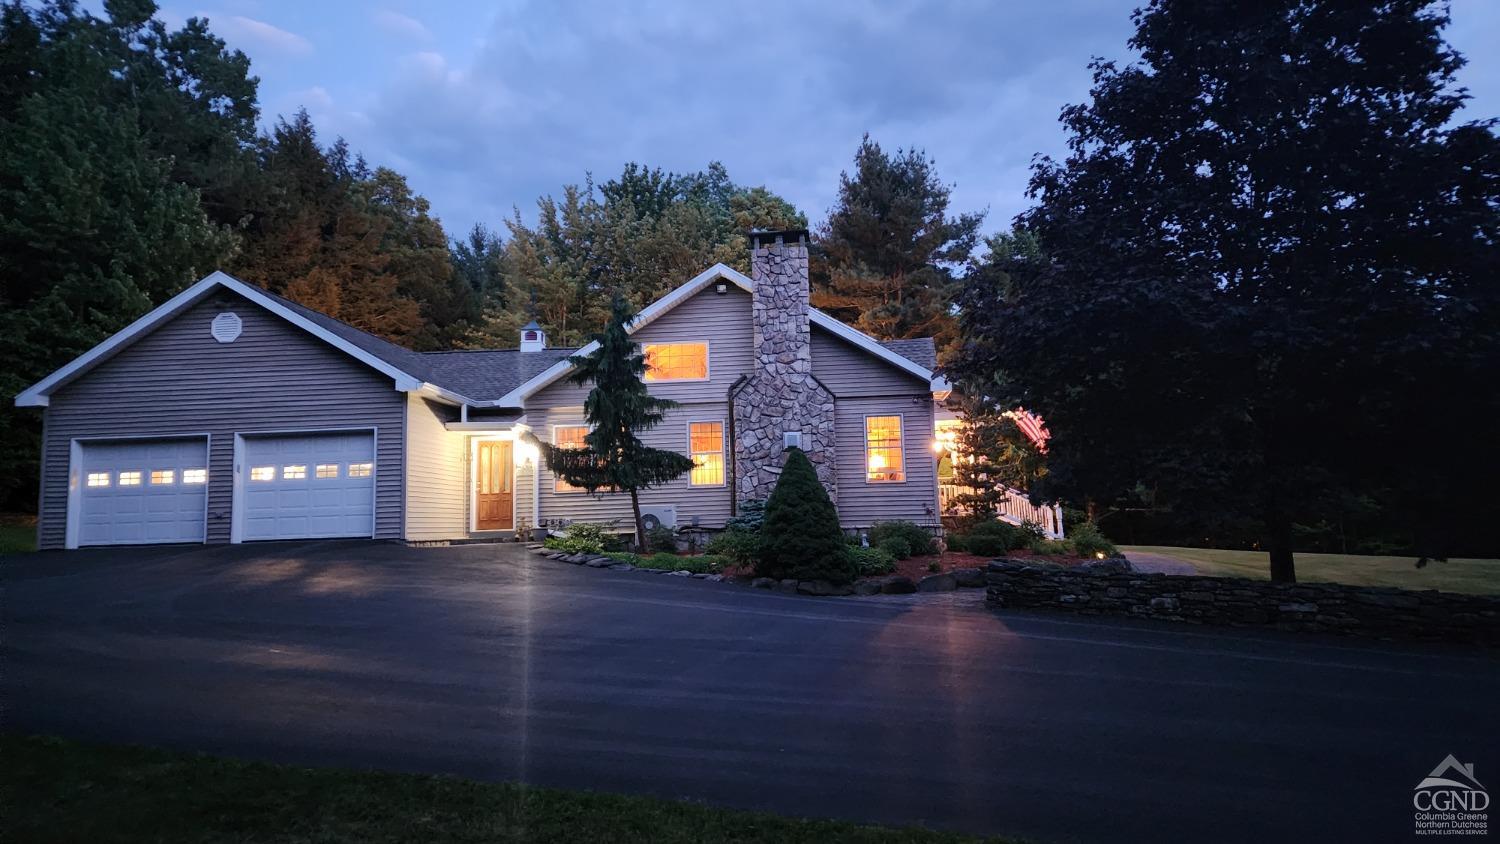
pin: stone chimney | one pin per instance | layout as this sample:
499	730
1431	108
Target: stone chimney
781	402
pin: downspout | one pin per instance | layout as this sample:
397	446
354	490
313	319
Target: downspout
729	470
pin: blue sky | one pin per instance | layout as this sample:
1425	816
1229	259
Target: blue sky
485	106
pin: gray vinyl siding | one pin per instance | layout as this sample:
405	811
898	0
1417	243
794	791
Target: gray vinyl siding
860	503
179	380
711	504
721	320
849	371
523	486
436	459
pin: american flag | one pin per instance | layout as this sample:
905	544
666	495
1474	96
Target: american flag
1032	426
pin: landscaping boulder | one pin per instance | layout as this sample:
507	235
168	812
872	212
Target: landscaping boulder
622	567
1108	565
787	585
680	573
969	578
867	587
898	585
824	588
763	582
598	562
944	582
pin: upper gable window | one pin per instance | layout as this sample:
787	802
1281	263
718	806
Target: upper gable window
676	361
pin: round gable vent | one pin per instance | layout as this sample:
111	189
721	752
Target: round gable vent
226	327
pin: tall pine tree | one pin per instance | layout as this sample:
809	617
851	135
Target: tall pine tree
617	407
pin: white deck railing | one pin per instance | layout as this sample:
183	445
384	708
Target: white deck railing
1014	507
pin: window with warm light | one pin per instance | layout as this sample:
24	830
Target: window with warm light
162	477
884	460
263	473
130	479
295	472
328	470
706	446
195	476
360	470
98	479
676	361
568	436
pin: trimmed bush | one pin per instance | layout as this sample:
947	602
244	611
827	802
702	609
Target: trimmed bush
917	538
801	537
700	564
740	546
957	542
661	540
869	562
749	515
583	538
1088	541
991	538
981	545
1052	547
896	546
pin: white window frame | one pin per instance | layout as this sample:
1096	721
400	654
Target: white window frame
90	476
201	480
900	438
555	490
271	473
708	361
136	477
318	468
723	447
168	477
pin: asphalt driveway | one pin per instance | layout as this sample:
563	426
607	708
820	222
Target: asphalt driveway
489	663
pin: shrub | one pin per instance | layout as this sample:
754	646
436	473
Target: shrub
750	515
896	546
957	542
801	537
934	567
661	540
919	539
872	561
738	545
981	545
583	538
1088	541
701	564
1051	547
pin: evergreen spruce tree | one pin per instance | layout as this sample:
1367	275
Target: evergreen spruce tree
800	537
618	406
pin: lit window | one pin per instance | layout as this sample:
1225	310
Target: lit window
263	473
162	477
328	470
130	479
884	461
568	437
676	361
195	476
706	445
360	470
295	472
98	479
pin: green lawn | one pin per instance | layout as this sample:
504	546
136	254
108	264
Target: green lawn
55	790
1479	577
17	539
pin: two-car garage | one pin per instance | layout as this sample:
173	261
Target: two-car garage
281	486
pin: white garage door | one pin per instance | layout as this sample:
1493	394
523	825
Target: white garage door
134	492
308	486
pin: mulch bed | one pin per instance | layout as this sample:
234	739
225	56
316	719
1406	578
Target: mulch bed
917	568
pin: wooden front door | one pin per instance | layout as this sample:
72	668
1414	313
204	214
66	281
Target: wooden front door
494	492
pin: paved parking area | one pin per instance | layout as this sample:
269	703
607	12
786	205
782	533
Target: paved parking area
488	662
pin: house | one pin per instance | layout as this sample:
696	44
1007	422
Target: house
229	414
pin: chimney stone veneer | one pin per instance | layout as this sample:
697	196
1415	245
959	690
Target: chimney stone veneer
781	395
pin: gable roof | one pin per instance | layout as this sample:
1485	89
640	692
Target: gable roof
654	311
488	377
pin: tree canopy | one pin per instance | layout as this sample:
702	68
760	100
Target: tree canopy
1266	275
885	259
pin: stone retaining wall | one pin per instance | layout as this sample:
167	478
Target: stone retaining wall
1112	589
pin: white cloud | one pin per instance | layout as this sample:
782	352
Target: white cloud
238	30
402	26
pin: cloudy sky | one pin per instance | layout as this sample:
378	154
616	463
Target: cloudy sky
487	105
